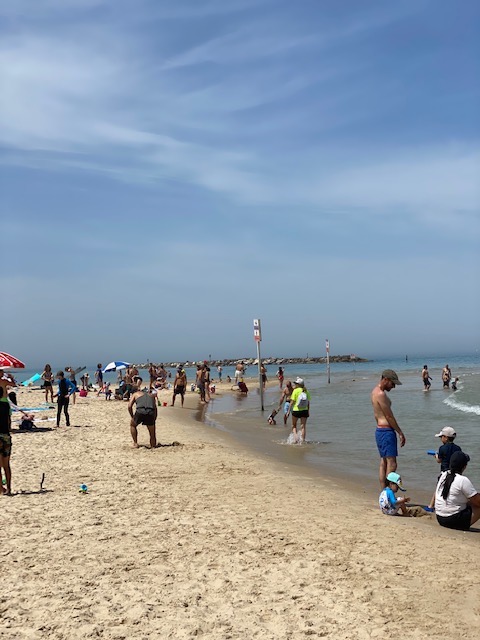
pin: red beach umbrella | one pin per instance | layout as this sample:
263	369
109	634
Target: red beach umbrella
8	361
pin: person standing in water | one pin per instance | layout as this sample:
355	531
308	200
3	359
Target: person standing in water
285	400
300	409
387	426
426	378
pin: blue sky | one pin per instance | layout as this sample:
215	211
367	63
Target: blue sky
172	170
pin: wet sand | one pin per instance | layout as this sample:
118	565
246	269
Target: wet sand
205	539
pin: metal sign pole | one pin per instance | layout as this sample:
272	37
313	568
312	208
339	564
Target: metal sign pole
327	346
257	334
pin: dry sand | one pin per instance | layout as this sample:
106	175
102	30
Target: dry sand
206	540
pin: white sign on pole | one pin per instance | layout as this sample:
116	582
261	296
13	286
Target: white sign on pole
257	331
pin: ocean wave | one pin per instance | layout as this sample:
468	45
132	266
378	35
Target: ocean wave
462	406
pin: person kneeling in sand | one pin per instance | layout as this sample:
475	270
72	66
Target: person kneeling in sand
393	506
145	413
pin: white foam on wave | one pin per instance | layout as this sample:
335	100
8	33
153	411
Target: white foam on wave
294	439
462	406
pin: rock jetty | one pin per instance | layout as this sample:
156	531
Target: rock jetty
231	362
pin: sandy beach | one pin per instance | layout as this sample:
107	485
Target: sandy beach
204	539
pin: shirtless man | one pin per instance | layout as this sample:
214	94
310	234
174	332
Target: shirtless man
179	385
152	370
387	426
239	372
285	400
426	378
200	382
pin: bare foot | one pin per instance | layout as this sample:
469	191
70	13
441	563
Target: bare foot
135	445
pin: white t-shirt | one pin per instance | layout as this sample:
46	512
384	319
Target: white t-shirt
460	491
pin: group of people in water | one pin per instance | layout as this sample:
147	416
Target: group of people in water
447	379
456	502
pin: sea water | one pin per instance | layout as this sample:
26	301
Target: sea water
340	437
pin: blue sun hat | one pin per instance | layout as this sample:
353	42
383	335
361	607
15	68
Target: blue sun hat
394	477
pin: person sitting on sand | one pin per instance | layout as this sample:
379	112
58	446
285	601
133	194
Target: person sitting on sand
457	502
393	506
145	413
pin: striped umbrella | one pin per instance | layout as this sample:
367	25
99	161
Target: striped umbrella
10	362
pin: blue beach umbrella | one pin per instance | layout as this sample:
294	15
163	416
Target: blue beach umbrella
116	365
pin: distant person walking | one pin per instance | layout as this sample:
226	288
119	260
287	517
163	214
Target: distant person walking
200	381
65	390
387	426
426	378
179	385
219	371
99	378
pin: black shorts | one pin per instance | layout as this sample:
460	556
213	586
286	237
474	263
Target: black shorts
47	383
460	520
5	445
304	413
179	389
147	419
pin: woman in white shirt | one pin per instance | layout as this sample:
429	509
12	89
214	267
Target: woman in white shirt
457	502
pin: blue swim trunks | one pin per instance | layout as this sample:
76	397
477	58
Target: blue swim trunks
386	439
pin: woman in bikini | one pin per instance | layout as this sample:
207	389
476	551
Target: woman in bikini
48	379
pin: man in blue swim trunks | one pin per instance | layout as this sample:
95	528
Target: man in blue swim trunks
387	426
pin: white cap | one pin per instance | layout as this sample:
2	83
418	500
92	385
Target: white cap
447	431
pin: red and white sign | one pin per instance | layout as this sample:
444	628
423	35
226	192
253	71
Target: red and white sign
257	331
327	345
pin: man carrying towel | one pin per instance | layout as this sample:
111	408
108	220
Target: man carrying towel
145	413
387	426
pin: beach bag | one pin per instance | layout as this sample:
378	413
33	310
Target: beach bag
83	393
302	402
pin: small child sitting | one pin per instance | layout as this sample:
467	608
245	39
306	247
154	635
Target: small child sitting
393	506
271	417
